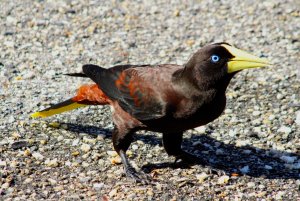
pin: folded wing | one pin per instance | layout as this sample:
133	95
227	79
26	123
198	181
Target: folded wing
132	88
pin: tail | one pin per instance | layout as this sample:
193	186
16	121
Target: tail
76	74
86	95
57	109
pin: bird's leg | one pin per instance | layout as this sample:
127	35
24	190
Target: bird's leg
121	142
172	144
129	170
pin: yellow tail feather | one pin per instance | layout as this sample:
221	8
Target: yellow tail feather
56	109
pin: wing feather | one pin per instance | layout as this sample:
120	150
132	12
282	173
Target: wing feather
127	85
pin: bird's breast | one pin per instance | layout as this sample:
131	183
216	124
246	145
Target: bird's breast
189	116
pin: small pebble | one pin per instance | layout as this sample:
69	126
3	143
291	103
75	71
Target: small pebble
37	156
134	147
52	181
201	177
5	185
297	121
284	129
51	163
2	163
98	186
85	164
272	117
112	153
201	129
223	179
60	138
54	124
288	159
28	180
75	142
256	113
89	140
19	144
27	152
112	193
245	169
116	160
85	147
268	167
251	184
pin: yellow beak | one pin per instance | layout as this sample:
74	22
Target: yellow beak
243	60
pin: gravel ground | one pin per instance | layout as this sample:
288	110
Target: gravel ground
256	143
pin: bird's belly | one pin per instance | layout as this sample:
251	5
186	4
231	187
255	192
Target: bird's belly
171	124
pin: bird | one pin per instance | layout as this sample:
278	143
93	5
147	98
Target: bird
164	98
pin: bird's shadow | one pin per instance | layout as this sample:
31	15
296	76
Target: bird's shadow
246	160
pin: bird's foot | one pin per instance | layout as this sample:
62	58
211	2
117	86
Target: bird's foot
185	157
191	159
216	172
136	176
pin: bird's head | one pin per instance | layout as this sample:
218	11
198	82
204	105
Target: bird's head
221	60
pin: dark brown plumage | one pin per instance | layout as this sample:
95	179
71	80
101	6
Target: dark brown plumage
164	98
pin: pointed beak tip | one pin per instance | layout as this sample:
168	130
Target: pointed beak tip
265	60
270	63
244	60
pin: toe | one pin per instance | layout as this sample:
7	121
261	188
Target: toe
136	176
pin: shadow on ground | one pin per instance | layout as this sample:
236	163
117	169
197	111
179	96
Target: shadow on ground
264	163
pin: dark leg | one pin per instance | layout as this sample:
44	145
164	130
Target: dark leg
121	142
172	144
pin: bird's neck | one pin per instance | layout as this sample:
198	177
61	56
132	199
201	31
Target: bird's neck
199	94
196	83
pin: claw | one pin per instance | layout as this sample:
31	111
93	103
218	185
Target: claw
131	172
136	176
216	171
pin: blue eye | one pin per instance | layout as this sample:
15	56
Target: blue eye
215	58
